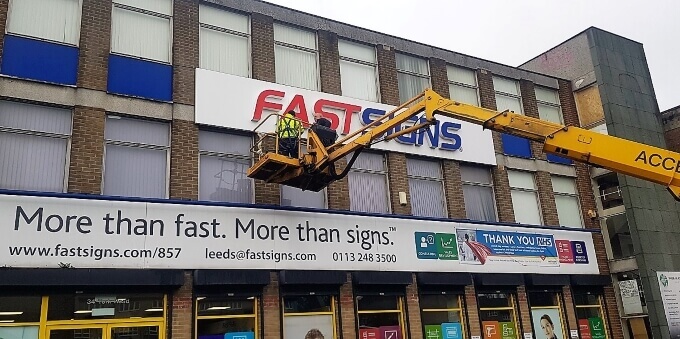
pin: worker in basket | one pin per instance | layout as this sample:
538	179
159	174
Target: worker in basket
322	128
289	130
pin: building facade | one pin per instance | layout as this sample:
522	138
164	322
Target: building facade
126	131
614	94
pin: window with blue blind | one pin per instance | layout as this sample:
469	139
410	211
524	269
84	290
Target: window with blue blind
509	97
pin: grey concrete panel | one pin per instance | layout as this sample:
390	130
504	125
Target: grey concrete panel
374	38
623	265
183	112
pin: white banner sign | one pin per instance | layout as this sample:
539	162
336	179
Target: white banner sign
231	101
630	297
669	283
45	231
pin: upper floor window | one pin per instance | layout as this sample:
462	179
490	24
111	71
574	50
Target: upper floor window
224	162
462	85
566	201
548	102
33	147
368	184
142	29
136	157
293	196
508	95
426	186
358	71
52	20
478	193
413	76
296	57
224	41
524	194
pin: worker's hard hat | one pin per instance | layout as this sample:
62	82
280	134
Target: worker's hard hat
291	112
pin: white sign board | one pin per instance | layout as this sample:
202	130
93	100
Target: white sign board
44	231
669	283
241	103
630	297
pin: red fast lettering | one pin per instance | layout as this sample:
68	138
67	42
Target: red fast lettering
263	104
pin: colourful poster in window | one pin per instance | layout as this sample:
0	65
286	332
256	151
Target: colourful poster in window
491	329
239	335
452	331
547	323
584	328
369	333
433	332
596	328
508	330
390	332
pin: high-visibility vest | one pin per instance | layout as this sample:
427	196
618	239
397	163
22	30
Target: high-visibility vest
289	127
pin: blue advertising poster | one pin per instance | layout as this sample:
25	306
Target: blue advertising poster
578	248
452	331
482	246
239	335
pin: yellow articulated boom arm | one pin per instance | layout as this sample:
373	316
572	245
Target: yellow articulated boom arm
638	160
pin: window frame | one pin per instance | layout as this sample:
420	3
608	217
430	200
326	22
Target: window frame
600	307
461	310
68	138
248	35
522	189
557	105
401	310
333	313
167	148
460	84
301	48
222	155
364	63
481	184
571	195
511	95
255	315
513	308
422	76
115	5
560	307
384	172
440	165
79	18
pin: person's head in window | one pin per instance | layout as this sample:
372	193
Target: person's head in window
314	334
548	327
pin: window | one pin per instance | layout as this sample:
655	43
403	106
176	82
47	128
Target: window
524	197
462	85
225	159
226	317
368	184
295	53
33	147
136	157
620	238
111	306
142	29
303	314
377	314
546	315
292	196
224	41
443	314
566	200
508	95
358	71
497	312
52	20
413	76
426	186
478	193
548	102
591	323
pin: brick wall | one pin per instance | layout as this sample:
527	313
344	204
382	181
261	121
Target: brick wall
262	47
569	309
530	108
182	310
329	62
673	139
525	313
453	189
398	182
487	99
415	324
439	78
347	308
547	198
267	193
338	191
184	50
501	190
387	73
472	311
272	310
95	42
184	160
612	313
87	151
4	6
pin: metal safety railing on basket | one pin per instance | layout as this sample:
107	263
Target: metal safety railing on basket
258	148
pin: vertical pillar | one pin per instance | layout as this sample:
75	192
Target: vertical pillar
87	150
453	189
413	306
94	46
185	47
472	311
524	312
272	311
396	163
184	160
347	309
182	309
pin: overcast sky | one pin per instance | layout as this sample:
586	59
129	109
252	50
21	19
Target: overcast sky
519	29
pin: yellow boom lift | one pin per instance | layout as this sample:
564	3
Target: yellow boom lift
316	167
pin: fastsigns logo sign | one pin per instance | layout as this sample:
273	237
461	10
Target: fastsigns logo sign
241	103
